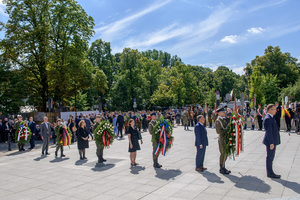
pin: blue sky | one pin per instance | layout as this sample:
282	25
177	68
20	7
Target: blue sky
202	32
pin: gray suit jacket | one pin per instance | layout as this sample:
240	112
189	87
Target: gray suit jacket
45	132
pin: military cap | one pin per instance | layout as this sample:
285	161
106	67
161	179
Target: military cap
221	109
153	114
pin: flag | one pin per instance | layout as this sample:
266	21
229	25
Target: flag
235	107
282	108
231	94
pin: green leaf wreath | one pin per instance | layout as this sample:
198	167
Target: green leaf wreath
22	131
104	134
60	135
169	131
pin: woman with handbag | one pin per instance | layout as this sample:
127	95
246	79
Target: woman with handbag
133	136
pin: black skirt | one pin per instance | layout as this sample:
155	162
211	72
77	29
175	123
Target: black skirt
81	143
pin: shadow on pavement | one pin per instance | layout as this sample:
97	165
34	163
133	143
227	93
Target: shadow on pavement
211	177
250	183
291	185
136	169
58	159
167	174
40	158
80	162
102	167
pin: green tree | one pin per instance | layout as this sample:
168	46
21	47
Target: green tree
163	96
270	88
256	87
47	41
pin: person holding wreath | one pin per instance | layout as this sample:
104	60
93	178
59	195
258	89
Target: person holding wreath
59	145
83	139
100	148
17	127
133	136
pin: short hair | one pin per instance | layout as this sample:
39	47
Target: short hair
45	117
98	116
19	116
199	117
58	120
81	122
270	106
131	120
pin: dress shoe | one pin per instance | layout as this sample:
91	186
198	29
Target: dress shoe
274	176
104	160
199	169
203	168
85	158
224	171
227	170
47	153
43	153
63	155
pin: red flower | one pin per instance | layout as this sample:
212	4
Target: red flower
230	143
231	134
155	142
161	140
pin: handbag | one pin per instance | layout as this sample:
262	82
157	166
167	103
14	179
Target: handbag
74	129
139	135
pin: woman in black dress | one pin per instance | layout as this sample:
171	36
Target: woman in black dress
83	139
133	137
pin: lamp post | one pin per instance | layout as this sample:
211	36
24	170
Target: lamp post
75	101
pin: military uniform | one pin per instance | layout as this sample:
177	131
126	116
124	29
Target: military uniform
155	157
221	125
100	149
59	145
260	118
209	115
17	127
185	120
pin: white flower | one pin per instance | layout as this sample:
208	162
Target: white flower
230	138
230	144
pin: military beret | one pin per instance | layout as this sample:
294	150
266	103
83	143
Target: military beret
153	114
220	110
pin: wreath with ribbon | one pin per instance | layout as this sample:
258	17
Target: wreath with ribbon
64	136
163	131
138	122
234	141
23	134
104	134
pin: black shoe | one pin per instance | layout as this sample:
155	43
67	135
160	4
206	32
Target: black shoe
43	153
157	166
63	155
81	158
274	176
100	161
84	158
227	170
55	154
223	171
104	160
47	153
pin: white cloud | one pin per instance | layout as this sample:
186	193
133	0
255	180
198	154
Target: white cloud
114	29
238	70
267	4
232	39
2	9
255	30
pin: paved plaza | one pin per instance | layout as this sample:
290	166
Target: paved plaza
28	175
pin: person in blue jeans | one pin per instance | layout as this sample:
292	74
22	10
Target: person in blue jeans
115	125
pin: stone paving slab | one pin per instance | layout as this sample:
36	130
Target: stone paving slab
28	175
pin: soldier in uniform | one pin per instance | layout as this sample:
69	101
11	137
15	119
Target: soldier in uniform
259	117
16	127
277	116
209	115
185	119
151	126
58	145
221	125
100	149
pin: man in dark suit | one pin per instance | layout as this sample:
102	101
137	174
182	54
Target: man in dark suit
271	139
201	142
46	135
120	124
32	127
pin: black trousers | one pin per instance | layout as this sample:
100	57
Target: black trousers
120	131
269	159
32	142
278	123
260	121
288	122
200	156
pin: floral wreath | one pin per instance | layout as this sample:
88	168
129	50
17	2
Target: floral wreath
23	133
104	134
234	136
64	136
162	131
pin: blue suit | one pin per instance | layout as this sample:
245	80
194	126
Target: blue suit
271	137
32	127
200	139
